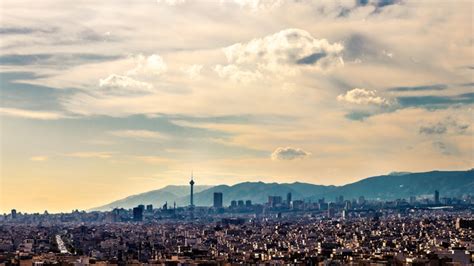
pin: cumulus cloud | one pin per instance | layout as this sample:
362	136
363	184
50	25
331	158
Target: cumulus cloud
123	82
148	65
289	153
234	73
363	97
193	71
136	80
138	134
41	115
280	52
256	5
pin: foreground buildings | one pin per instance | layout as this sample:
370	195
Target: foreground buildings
385	236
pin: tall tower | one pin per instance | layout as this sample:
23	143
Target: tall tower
191	183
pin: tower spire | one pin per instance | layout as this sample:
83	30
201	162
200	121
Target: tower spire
191	183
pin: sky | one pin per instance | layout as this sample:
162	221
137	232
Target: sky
103	99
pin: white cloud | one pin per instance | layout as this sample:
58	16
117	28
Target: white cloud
253	5
256	5
282	52
289	153
151	65
193	71
41	115
138	134
234	73
363	97
123	82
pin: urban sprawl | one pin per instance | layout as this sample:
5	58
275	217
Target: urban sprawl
429	231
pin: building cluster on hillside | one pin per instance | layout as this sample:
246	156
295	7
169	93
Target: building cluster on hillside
275	205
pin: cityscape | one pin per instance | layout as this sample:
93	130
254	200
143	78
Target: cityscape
429	231
236	132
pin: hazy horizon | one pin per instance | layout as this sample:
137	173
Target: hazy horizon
101	100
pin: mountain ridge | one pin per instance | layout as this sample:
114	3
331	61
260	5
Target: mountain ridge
384	187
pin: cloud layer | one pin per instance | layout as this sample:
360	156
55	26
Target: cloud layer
168	86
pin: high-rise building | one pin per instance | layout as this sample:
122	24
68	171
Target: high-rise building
436	197
138	213
240	203
248	203
191	183
348	205
233	204
218	199
288	198
149	208
13	214
340	199
331	210
274	200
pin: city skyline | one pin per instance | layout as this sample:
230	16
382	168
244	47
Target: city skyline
375	189
104	100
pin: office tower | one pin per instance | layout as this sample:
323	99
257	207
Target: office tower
288	198
240	203
274	200
138	213
436	197
218	199
340	199
248	203
233	204
321	202
348	205
149	208
331	210
191	183
13	214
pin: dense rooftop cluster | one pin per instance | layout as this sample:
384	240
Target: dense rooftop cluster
386	236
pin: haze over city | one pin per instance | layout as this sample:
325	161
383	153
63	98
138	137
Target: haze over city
105	99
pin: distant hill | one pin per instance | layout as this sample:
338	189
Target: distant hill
391	186
156	197
404	185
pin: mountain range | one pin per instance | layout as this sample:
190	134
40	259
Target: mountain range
384	187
